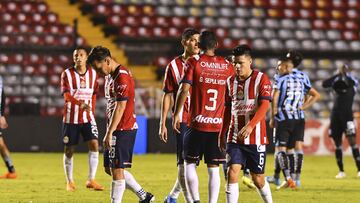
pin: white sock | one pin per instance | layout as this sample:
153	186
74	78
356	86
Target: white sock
117	190
232	193
133	185
68	168
192	181
214	184
265	193
182	181
175	192
93	164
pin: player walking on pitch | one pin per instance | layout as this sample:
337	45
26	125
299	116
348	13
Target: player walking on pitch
121	124
247	98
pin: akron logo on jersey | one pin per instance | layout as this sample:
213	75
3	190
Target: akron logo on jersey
66	139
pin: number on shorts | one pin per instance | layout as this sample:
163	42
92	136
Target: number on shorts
261	161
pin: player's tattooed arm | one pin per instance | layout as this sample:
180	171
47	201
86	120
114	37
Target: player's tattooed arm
224	128
274	105
180	100
114	121
165	106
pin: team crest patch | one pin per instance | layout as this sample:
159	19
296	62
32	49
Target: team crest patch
240	92
82	84
66	139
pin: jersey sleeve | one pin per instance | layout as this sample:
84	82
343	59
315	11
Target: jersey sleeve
265	88
121	87
189	71
227	92
96	85
65	87
169	81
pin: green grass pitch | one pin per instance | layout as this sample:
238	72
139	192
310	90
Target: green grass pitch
41	179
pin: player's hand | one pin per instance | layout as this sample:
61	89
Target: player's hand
85	107
271	123
176	124
222	143
107	141
245	132
163	133
107	170
302	108
3	123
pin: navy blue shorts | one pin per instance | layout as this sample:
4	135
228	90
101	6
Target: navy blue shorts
71	133
180	143
198	143
122	148
290	131
252	157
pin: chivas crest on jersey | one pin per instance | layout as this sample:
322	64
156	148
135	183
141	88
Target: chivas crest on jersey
240	93
82	82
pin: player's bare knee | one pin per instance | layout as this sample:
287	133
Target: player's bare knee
118	174
69	152
233	173
93	145
258	180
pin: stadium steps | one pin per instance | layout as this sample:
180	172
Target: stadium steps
145	75
93	34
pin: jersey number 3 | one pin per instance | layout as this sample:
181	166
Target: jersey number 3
212	99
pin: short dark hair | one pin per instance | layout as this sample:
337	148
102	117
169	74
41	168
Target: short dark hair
86	49
189	32
294	57
242	49
98	53
207	40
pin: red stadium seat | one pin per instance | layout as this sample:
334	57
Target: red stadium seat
244	3
128	31
336	24
350	35
144	32
159	32
352	25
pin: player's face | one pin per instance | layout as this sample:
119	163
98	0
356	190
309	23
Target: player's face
242	65
192	45
79	57
282	67
101	67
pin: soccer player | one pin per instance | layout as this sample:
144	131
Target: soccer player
247	98
206	74
289	103
246	179
5	153
173	74
121	127
79	87
344	86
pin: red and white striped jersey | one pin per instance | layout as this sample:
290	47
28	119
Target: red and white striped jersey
173	75
244	98
207	75
120	86
82	87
